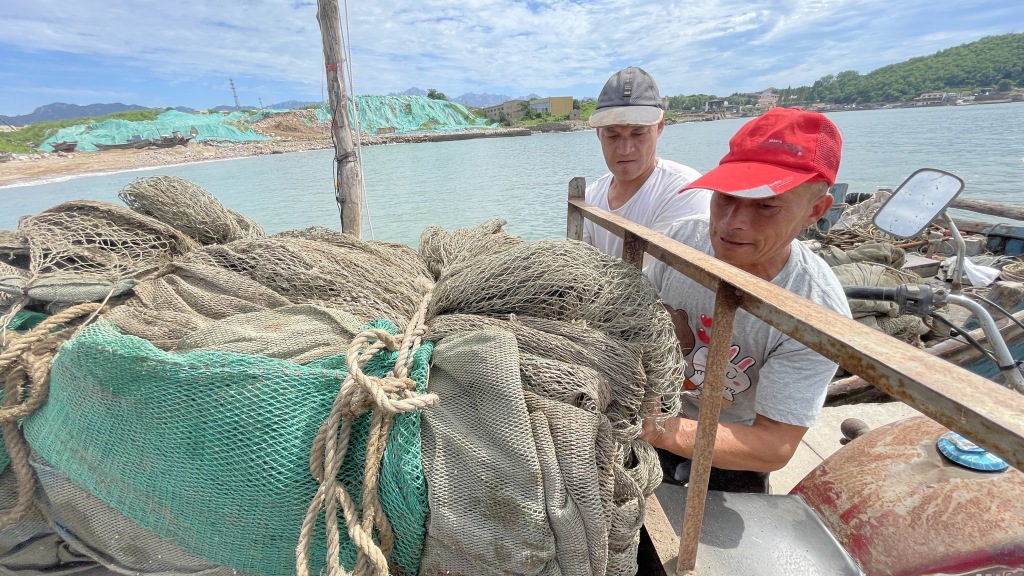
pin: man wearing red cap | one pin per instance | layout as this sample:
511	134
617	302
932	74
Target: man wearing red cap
639	187
772	184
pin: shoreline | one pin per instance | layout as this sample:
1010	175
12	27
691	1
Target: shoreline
46	167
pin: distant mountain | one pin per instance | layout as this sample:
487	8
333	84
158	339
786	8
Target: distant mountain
468	99
226	108
414	91
482	100
62	111
292	104
185	109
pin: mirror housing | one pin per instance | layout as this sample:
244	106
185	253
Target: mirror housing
922	198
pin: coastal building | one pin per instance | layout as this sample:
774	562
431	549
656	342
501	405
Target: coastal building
936	99
515	109
715	105
768	99
508	110
553	105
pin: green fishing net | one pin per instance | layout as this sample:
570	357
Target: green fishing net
210	450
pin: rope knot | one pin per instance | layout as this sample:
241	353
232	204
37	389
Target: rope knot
386	396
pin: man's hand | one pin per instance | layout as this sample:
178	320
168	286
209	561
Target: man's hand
650	432
668	434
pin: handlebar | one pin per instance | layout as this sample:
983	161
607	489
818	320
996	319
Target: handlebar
871	293
921	299
916	299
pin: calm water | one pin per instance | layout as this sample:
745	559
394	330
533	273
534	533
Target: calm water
524	179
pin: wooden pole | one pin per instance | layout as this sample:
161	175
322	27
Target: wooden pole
574	220
988	207
348	184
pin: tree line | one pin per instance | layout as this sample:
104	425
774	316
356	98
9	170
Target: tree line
992	62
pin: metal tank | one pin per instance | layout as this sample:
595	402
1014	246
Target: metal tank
901	508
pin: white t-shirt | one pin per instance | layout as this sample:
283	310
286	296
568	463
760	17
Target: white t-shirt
769	373
656	205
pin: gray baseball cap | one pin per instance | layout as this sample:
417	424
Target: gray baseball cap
629	97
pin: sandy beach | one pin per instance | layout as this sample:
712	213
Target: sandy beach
28	168
287	133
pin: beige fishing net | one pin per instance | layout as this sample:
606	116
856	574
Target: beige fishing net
544	356
542	369
189	208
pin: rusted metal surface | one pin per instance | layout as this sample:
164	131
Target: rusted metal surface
726	302
979	409
855	389
901	508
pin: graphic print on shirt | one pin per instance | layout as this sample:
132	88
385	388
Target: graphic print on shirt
736	379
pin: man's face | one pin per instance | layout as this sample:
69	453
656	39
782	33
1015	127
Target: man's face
754	234
630	151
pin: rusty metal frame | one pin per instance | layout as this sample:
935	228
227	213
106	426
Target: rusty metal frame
989	414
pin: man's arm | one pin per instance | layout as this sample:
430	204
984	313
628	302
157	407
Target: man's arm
764	446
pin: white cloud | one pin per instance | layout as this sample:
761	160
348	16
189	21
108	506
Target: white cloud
543	46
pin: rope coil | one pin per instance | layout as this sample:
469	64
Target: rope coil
359	393
25	370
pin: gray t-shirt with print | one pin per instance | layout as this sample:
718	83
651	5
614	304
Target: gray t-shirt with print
769	373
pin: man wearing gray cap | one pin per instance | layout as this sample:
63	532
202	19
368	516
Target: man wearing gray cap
639	187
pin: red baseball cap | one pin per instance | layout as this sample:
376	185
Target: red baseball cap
776	152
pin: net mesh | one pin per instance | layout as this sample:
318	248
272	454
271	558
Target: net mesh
210	450
189	208
189	409
543	369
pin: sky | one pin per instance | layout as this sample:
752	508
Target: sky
183	53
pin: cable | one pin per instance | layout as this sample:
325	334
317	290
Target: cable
1001	309
962	333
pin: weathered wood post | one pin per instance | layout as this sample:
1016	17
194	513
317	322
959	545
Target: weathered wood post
348	183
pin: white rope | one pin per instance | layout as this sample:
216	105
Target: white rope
346	47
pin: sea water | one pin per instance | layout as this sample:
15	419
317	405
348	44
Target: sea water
525	179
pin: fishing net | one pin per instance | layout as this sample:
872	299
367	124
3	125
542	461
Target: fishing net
84	251
442	249
189	208
543	370
255	404
884	316
211	450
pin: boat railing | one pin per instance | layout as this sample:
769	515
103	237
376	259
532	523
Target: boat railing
990	415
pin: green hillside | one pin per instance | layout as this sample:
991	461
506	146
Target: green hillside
991	62
994	61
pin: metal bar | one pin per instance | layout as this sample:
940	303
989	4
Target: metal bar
726	304
987	413
574	221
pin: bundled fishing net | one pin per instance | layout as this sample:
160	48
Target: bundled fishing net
255	404
441	249
546	352
192	210
84	251
883	253
299	296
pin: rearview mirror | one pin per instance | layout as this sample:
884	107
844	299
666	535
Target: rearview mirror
922	198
